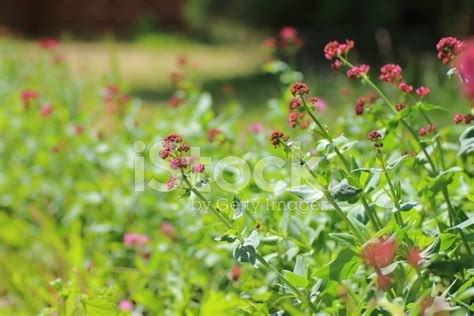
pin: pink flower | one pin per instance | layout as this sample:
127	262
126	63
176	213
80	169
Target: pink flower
465	66
27	96
288	33
269	43
167	229
294	104
125	305
183	148
294	118
133	239
277	139
198	168
422	91
391	73
357	71
405	87
179	163
334	48
336	65
318	104
299	89
48	43
414	257
422	131
213	133
457	118
400	106
256	128
235	273
174	101
431	128
46	110
171	182
380	253
289	37
448	48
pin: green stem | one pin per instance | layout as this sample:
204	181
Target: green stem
214	211
372	215
330	199
395	200
302	297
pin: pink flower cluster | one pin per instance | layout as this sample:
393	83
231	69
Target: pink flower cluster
391	73
431	128
299	89
362	101
278	139
466	119
333	50
173	149
27	96
357	71
288	39
135	240
448	48
422	91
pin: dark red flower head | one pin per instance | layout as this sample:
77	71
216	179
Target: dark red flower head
374	135
448	48
294	104
278	139
299	89
400	106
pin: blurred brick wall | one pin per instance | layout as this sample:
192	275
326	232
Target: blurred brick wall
86	16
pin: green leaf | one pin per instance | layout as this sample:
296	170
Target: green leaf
299	268
341	268
446	240
344	239
227	238
306	193
466	142
465	224
404	207
245	253
295	279
343	191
